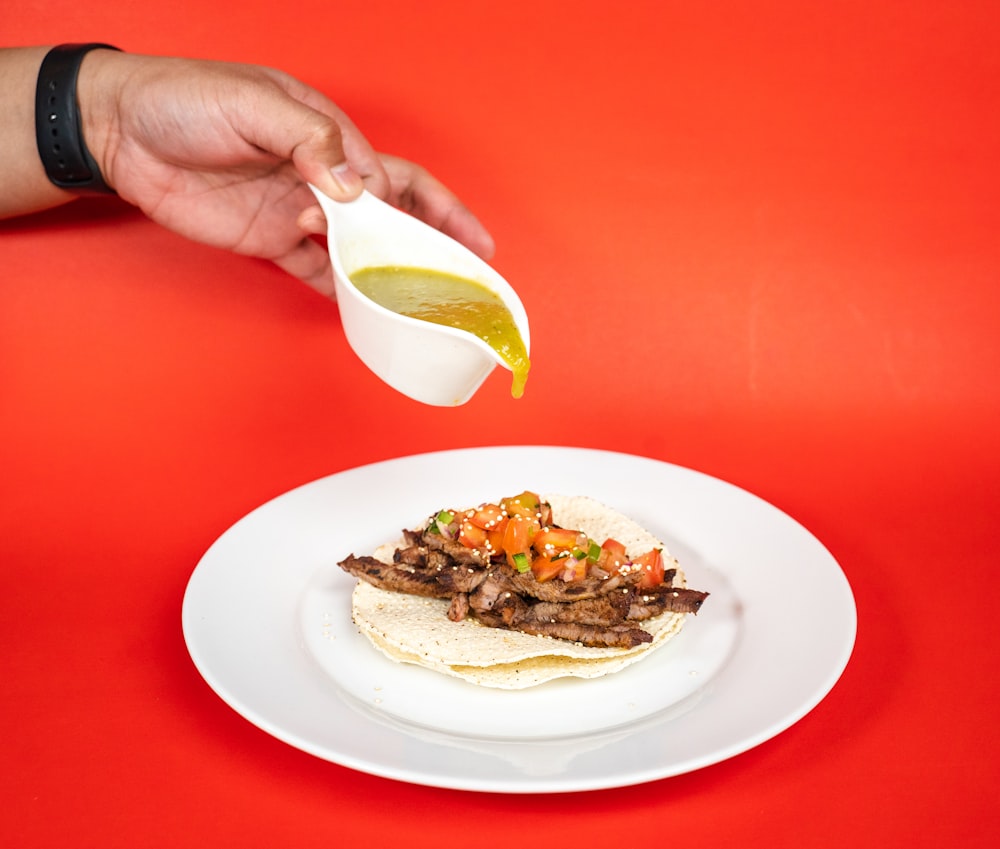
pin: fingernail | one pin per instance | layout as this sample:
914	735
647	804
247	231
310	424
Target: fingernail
347	180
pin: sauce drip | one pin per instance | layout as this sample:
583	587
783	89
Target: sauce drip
452	301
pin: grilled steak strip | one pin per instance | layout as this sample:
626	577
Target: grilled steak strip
452	575
459	607
650	603
414	556
393	578
454	549
610	608
560	591
592	622
612	636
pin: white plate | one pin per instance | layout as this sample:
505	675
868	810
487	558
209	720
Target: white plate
266	617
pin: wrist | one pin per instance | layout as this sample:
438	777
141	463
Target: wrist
99	88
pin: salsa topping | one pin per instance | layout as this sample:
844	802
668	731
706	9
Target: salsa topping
520	530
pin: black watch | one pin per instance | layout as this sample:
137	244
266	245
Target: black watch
58	130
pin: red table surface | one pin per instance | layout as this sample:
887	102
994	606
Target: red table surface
755	239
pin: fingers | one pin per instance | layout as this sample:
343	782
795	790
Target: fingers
464	227
310	262
415	190
328	151
295	130
318	155
311	220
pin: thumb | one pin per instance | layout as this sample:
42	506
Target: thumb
311	139
340	182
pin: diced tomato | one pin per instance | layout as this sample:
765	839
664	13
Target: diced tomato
494	536
487	516
517	537
471	536
556	539
651	569
612	556
545	513
544	567
526	504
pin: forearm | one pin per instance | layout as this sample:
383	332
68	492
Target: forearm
25	186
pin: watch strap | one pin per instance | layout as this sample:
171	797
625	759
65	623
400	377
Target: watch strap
58	126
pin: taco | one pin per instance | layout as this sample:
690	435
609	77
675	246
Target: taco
515	593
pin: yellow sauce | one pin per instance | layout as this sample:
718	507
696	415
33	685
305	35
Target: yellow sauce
453	301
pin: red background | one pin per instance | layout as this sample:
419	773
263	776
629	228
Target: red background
754	238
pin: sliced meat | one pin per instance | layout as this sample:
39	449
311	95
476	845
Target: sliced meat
649	603
411	555
454	549
612	636
459	607
393	578
459	578
413	537
490	592
603	610
421	556
558	590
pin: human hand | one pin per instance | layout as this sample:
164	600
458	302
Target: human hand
219	153
414	190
